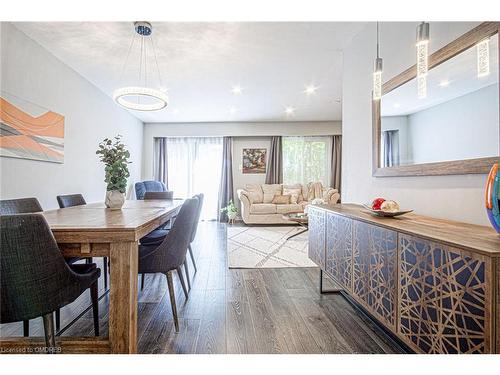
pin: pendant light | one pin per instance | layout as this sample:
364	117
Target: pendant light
377	73
130	97
422	58
483	58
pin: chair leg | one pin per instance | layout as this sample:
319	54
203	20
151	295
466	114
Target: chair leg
183	284
192	258
142	280
26	328
58	320
95	306
186	269
171	292
50	335
105	266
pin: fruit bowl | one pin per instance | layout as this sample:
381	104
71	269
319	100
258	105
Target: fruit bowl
385	213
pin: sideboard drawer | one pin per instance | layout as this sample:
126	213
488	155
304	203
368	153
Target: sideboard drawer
317	235
339	249
375	270
444	298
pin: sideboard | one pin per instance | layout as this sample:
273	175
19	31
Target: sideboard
434	283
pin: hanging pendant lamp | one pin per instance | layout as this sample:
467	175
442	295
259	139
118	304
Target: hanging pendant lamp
423	36
141	97
377	73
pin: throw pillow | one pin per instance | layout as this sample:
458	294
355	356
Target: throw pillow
270	190
255	193
293	193
281	199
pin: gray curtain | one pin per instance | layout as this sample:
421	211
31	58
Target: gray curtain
336	178
226	179
274	174
161	161
390	139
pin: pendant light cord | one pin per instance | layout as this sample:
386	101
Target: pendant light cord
128	55
156	61
377	41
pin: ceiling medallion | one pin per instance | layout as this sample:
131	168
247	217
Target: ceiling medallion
141	97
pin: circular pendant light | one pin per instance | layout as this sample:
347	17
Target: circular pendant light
142	98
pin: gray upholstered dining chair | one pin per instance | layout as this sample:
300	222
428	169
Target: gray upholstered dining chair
36	280
170	254
168	194
72	200
195	228
144	186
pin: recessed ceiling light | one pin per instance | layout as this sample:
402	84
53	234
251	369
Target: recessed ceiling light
310	90
444	83
290	111
233	110
237	90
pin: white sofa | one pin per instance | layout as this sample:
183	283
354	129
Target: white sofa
257	206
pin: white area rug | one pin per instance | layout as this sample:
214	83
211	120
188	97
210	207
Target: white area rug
267	247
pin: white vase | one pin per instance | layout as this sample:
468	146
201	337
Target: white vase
231	215
114	199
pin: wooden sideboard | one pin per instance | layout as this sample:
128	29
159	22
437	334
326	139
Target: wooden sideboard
434	283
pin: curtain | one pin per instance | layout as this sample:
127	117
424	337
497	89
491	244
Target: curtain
274	174
336	162
160	169
194	167
226	177
390	144
307	159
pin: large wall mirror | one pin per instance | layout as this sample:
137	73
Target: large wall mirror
453	128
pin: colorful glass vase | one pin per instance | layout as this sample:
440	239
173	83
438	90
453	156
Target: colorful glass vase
492	196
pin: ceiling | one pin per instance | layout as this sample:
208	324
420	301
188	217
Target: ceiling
200	63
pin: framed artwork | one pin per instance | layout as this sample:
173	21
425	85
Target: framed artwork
254	160
29	131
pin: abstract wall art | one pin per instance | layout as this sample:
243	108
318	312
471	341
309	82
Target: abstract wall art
254	160
492	196
29	131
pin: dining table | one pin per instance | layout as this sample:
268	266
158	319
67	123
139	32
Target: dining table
92	230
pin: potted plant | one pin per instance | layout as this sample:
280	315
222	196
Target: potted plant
115	157
231	211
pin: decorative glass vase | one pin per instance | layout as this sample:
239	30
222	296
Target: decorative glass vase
114	199
493	196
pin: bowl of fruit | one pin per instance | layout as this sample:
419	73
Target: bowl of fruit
386	208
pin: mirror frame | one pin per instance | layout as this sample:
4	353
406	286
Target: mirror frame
455	167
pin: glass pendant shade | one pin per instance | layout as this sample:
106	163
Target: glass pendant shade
377	79
423	32
483	58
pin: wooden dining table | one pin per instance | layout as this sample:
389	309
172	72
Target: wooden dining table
92	230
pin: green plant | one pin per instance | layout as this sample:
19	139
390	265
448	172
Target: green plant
230	208
115	157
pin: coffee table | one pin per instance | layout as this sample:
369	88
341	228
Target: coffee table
299	218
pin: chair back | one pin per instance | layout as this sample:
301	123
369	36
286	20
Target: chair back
19	206
171	253
35	278
158	195
142	187
70	200
198	214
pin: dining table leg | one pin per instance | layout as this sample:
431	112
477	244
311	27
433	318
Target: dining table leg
123	297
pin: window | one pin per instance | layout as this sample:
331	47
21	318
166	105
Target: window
306	159
194	166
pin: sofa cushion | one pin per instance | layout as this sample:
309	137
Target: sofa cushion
281	199
270	190
289	208
263	208
255	193
294	193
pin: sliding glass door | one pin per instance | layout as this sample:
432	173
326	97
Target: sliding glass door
194	166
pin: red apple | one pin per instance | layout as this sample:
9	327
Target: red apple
377	202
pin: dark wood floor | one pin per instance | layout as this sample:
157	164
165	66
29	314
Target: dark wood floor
236	311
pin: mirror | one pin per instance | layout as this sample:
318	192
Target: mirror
456	122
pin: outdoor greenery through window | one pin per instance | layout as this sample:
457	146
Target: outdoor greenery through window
306	159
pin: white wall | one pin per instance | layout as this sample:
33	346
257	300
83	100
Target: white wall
462	128
32	73
454	197
235	129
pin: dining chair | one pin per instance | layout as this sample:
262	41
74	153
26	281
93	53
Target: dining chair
144	186
72	200
36	280
195	229
170	254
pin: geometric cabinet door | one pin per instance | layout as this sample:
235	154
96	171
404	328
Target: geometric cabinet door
444	298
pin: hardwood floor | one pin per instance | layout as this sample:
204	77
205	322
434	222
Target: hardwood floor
235	311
